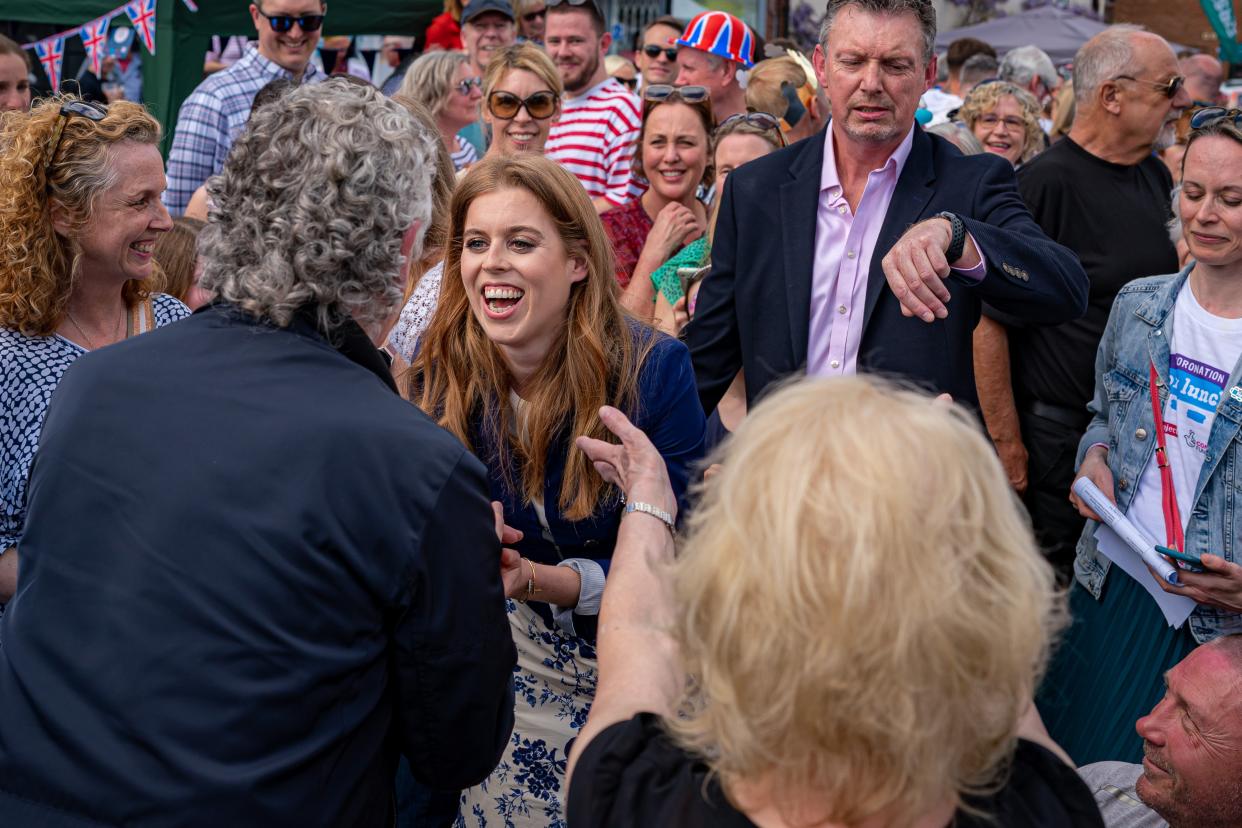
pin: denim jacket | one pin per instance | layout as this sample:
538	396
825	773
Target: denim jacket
1138	333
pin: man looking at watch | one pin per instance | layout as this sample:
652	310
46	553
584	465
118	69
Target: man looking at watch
869	246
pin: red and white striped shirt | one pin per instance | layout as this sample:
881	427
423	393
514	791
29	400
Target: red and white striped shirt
596	138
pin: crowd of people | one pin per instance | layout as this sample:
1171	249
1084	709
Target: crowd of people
548	438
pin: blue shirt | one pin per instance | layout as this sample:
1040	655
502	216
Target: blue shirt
211	119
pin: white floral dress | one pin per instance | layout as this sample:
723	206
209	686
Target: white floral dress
554	683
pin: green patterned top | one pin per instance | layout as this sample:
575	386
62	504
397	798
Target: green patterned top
695	254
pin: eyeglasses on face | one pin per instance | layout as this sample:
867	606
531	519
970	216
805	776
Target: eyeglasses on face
762	120
469	83
1212	114
1168	88
282	23
991	119
666	91
505	105
531	17
84	109
630	83
653	51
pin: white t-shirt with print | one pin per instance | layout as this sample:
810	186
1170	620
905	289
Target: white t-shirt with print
1203	351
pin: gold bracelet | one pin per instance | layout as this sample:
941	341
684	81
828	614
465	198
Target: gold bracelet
531	586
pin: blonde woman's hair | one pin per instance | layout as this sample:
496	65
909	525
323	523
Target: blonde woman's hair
863	610
461	380
763	84
521	56
429	80
984	98
443	179
37	264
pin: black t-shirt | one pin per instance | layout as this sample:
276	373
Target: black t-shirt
1113	216
633	776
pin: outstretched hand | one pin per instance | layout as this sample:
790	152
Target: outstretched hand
635	466
510	559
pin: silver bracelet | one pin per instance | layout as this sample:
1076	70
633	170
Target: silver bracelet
656	512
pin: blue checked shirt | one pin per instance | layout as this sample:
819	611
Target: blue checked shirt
212	118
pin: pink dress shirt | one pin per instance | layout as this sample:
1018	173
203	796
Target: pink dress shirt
844	243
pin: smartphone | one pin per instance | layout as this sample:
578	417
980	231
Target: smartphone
1190	563
690	275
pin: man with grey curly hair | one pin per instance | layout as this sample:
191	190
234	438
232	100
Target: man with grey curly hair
248	626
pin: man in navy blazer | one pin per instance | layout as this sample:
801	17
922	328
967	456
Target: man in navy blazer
870	246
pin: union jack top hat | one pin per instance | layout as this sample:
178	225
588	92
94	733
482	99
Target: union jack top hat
721	34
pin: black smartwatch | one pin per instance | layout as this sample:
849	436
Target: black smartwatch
958	244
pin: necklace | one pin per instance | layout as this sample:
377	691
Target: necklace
116	329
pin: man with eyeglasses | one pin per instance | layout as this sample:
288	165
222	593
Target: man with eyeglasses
487	26
211	118
1102	193
656	55
600	119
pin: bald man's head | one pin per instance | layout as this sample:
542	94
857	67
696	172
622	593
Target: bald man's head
1204	75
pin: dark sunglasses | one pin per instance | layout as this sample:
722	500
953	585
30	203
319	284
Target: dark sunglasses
1212	114
505	105
591	3
761	120
284	22
665	91
465	86
531	17
653	51
85	109
1169	88
631	83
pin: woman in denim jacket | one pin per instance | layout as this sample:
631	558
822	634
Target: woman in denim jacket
1188	326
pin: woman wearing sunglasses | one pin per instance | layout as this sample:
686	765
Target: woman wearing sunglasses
441	82
1165	446
674	156
528	343
521	99
80	213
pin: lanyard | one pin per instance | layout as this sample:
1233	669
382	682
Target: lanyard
1174	538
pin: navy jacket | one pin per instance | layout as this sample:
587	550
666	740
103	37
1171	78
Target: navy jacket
251	575
667	411
754	309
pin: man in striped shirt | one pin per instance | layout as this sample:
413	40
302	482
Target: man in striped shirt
600	119
214	114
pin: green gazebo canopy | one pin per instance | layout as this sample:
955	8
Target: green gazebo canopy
182	36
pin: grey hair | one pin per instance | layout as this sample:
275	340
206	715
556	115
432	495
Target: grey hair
957	135
921	9
312	205
1103	58
978	68
1174	224
429	80
1025	63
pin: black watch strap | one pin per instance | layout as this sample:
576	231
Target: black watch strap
958	244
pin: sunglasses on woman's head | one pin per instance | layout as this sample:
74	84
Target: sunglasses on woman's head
665	91
282	23
1212	114
465	86
505	105
653	51
762	120
84	109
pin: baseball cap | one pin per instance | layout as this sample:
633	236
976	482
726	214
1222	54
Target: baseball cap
721	34
476	7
